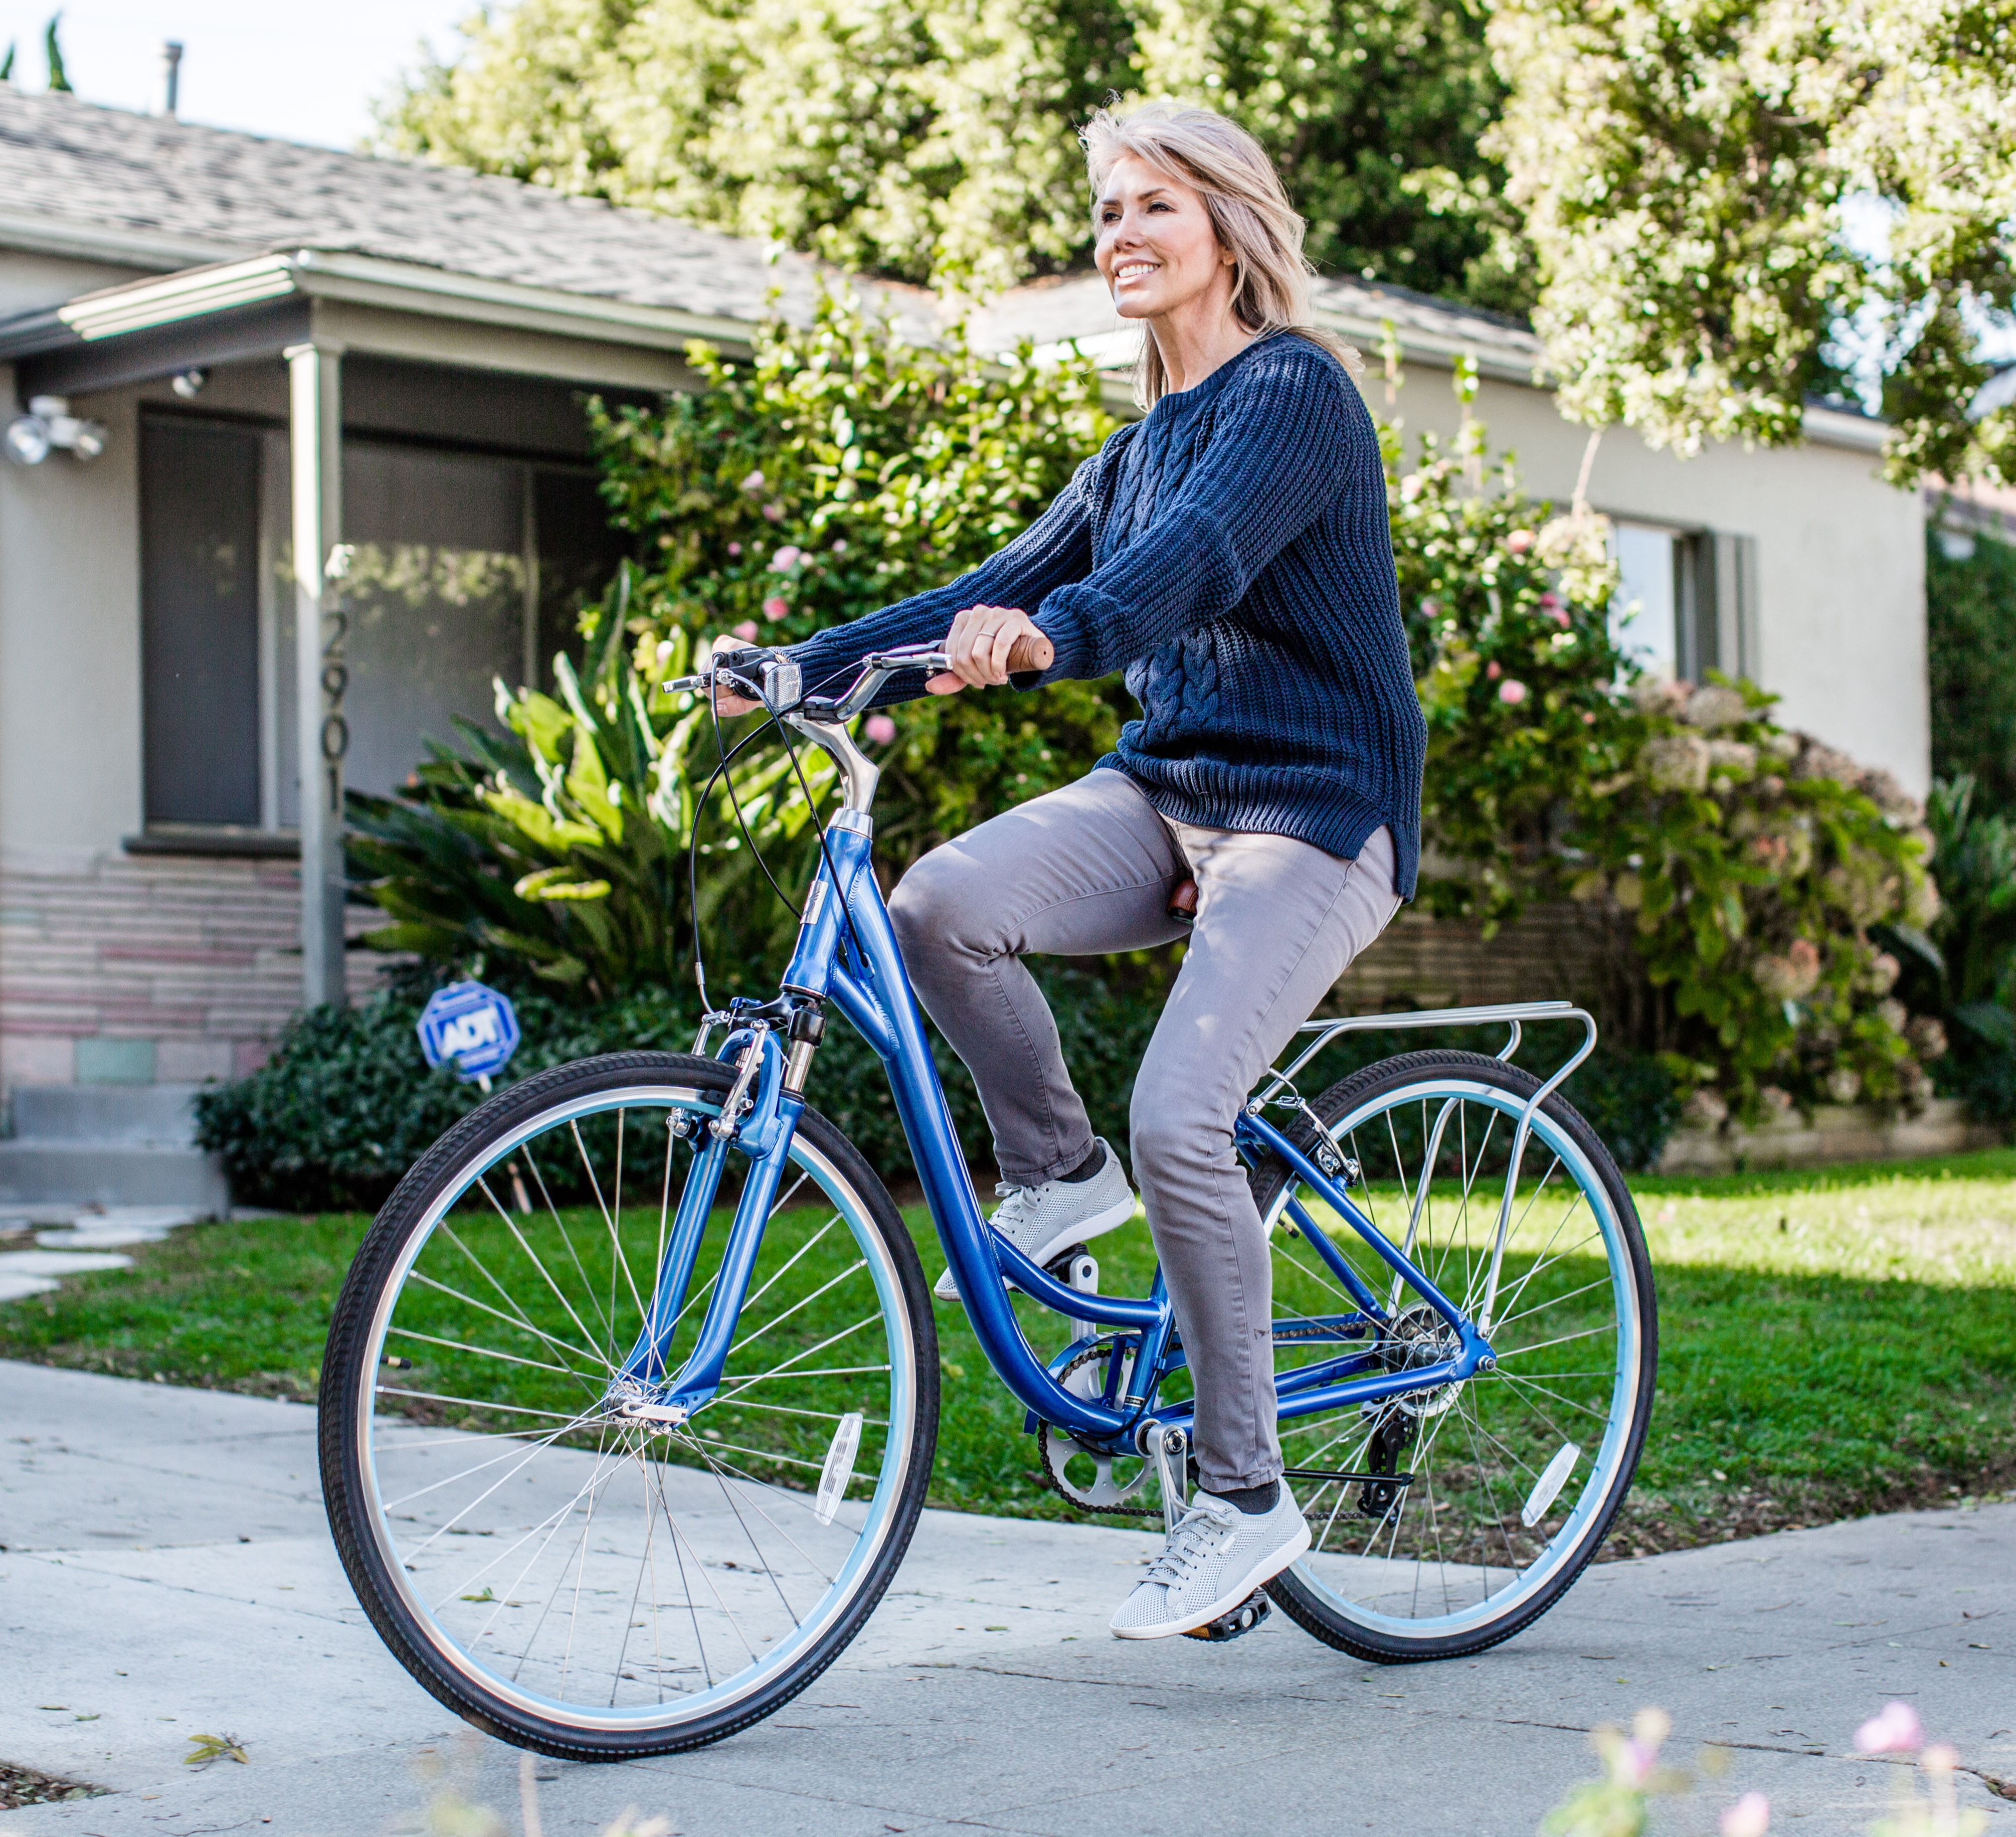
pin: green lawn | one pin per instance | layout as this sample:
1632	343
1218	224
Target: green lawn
1832	1343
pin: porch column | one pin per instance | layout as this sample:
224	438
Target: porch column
314	436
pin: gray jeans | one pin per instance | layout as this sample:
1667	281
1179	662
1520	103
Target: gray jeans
1089	870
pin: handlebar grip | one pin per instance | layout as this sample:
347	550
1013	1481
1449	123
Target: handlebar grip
1031	652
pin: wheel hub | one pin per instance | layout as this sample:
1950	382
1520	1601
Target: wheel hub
1421	1337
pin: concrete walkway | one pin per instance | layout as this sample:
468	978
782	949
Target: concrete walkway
165	1571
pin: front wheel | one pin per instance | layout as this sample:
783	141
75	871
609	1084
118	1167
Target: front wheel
565	1576
1501	1488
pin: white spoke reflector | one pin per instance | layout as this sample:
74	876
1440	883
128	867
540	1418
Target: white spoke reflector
839	1467
1546	1489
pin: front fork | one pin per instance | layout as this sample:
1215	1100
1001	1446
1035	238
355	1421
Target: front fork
773	1054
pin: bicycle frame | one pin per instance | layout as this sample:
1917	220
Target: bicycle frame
847	955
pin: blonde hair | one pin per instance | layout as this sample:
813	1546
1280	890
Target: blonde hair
1250	211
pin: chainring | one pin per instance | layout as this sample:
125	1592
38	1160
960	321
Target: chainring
1056	1447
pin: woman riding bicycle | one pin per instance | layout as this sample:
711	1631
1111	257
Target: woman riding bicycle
1230	552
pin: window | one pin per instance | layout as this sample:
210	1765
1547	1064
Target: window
1686	601
467	567
1642	623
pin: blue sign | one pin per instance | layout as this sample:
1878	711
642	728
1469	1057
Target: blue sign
474	1026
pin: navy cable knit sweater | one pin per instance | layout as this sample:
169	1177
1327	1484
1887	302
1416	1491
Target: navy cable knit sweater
1231	552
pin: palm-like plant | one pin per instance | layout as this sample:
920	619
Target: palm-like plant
560	845
1976	933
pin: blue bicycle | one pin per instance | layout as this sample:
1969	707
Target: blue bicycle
614	1473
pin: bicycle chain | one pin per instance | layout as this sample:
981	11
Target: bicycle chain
1046	1439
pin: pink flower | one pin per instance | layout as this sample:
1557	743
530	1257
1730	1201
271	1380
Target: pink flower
880	729
735	548
773	608
774	512
839	548
1897	1731
1431	608
1520	541
753	484
1588	719
1749	1817
1559	616
1942	1757
1548	601
1491	672
1636	1762
1511	692
786	559
746	631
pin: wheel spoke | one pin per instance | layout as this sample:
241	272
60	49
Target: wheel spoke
1451	1551
653	1573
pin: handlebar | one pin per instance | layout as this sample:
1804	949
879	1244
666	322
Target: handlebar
774	679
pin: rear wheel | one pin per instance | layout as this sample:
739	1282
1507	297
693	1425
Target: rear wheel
1501	1488
570	1578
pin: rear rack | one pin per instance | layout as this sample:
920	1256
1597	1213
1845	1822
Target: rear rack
1512	1015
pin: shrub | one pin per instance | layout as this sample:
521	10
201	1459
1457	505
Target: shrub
1971	633
1761	867
1757	864
557	851
347	1103
1964	977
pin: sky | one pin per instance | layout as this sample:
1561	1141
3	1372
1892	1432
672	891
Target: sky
279	67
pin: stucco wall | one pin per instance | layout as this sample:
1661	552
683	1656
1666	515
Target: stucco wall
1841	618
70	644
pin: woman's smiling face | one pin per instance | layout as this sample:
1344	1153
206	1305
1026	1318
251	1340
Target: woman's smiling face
1156	248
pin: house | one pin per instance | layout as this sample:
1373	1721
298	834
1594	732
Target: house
222	353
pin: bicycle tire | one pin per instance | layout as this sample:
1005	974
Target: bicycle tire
368	1426
1327	1609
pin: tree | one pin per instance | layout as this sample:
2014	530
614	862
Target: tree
933	139
1721	192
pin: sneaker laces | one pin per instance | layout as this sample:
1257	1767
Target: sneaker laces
1196	1537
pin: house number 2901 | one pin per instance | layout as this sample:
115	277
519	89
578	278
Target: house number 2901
335	677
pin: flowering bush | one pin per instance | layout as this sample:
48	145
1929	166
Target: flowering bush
1763	872
841	468
1758	868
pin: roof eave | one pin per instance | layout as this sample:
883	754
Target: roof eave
118	245
195	293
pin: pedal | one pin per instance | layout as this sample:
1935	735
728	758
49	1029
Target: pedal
1250	1613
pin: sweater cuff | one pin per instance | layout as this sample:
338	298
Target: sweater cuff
1062	619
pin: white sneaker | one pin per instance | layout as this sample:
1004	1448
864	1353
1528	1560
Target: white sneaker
1215	1557
1040	1221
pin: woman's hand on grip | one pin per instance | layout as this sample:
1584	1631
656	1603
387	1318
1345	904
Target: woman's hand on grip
981	644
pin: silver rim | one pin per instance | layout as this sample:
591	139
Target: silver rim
1511	1470
602	1575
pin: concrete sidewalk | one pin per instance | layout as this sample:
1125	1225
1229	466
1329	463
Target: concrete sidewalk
165	1571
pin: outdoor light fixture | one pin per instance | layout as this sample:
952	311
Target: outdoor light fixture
49	424
188	385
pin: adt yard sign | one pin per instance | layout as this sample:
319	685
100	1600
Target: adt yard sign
472	1025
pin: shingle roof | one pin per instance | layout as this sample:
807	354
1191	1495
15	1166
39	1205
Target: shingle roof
1078	306
68	163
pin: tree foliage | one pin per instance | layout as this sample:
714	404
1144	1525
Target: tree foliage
934	139
1714	188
